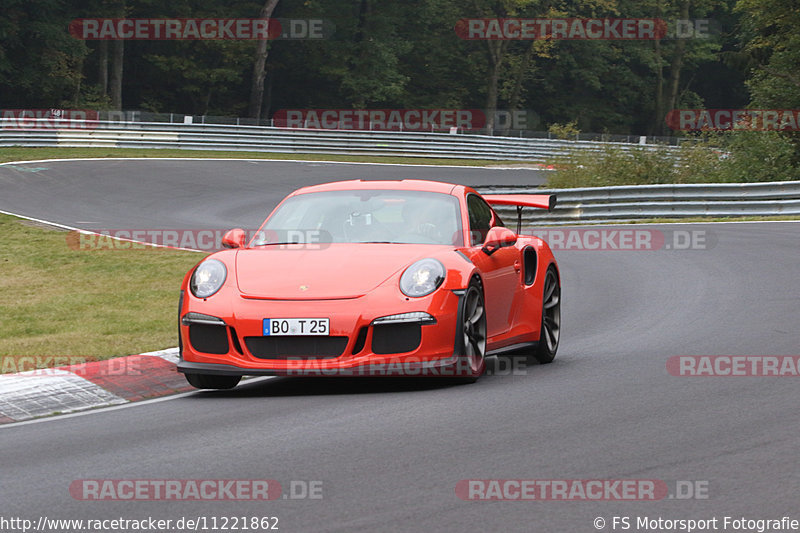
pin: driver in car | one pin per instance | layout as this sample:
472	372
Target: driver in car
422	220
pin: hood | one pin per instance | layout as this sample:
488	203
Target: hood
294	272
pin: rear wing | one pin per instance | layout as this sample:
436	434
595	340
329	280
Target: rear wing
540	201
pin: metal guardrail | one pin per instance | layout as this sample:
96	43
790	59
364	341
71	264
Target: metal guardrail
604	204
502	128
283	140
574	205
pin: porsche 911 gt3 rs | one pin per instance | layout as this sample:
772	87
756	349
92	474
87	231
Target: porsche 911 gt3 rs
369	278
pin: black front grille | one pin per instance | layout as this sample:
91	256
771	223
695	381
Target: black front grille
396	338
208	339
307	347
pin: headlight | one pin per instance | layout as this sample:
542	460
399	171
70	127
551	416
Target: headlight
422	278
208	277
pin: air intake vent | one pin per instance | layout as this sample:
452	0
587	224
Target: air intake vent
396	338
308	347
529	258
208	339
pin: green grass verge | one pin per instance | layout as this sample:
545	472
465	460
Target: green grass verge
99	304
739	157
34	154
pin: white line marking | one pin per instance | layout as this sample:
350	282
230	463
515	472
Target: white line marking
31	394
98	410
170	354
89	232
11	163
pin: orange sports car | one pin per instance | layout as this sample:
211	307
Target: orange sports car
372	278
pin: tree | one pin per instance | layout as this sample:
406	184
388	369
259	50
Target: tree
496	49
773	43
40	63
260	65
683	49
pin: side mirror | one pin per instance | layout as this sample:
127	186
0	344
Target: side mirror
235	238
498	237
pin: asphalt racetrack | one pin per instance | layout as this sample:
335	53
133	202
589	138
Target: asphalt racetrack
195	194
389	453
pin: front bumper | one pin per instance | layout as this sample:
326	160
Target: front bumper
356	346
449	367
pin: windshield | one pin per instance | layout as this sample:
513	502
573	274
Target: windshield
365	216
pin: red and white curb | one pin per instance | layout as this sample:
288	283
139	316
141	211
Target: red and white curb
38	393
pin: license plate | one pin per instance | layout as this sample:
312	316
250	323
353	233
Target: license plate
296	326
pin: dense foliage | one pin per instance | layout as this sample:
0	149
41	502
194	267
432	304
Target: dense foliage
406	54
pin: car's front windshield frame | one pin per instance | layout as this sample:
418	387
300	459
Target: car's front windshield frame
365	216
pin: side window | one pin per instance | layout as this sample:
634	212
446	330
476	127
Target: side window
480	219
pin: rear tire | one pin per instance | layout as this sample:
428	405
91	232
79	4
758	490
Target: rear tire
550	331
210	381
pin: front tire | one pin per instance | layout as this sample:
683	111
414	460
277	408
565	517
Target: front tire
550	331
210	381
471	337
